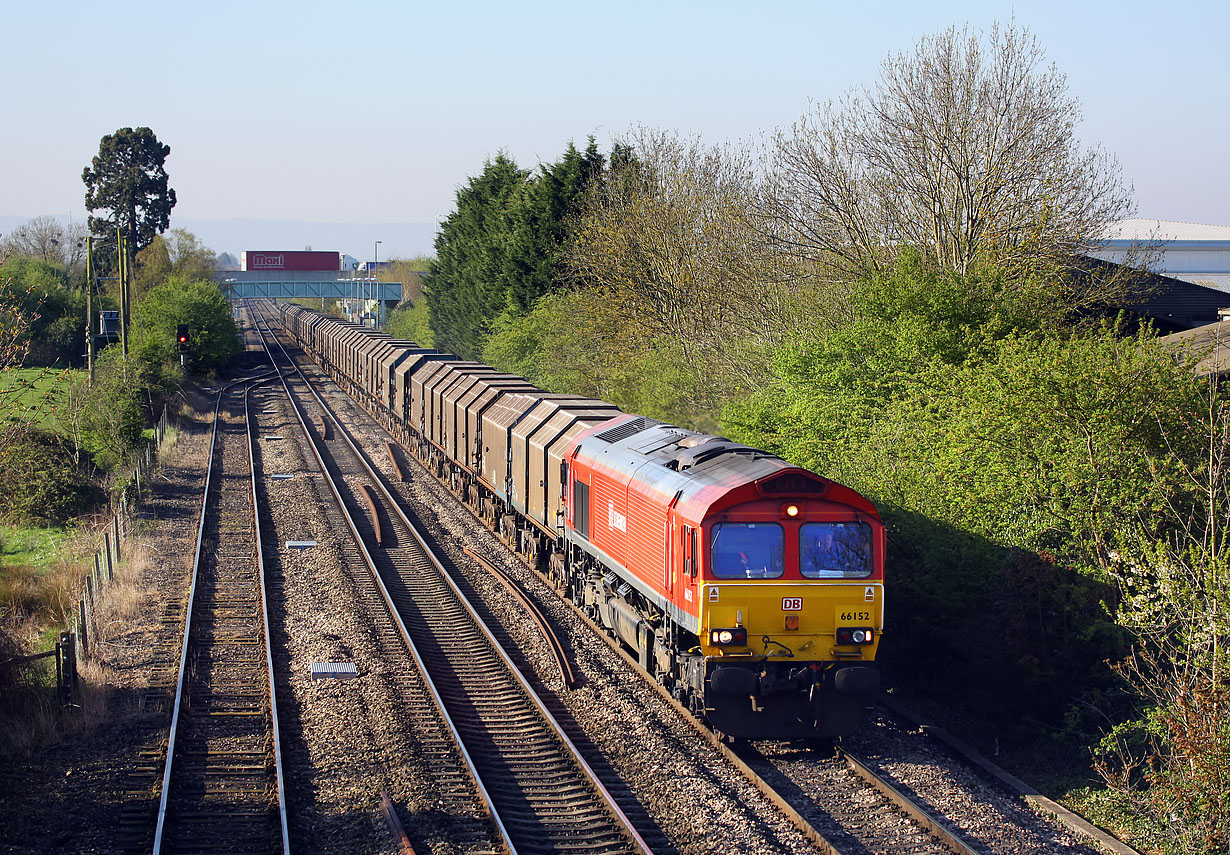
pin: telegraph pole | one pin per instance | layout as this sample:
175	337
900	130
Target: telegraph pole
125	297
89	306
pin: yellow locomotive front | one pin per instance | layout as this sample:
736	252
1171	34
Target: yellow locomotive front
791	601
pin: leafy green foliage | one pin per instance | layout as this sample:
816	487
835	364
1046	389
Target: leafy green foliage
503	245
54	310
43	482
117	407
582	342
465	286
200	305
411	321
1170	765
128	180
541	223
1004	459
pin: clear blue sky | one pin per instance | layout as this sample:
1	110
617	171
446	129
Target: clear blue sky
375	112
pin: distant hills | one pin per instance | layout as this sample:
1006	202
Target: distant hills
397	240
233	236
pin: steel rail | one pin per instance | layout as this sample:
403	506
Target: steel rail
1040	803
515	672
273	693
471	768
924	818
164	798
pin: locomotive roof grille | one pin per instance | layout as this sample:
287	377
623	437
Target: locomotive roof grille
791	482
627	429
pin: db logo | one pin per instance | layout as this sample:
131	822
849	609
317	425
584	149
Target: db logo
792	604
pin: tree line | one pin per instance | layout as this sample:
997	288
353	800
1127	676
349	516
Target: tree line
894	293
57	473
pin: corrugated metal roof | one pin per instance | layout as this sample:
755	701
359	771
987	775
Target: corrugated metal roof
1210	344
1217	281
1141	229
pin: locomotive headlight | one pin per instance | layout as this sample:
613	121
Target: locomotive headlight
735	636
790	511
854	635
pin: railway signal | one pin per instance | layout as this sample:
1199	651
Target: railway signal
182	339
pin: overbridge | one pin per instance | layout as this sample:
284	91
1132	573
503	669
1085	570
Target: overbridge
364	299
318	284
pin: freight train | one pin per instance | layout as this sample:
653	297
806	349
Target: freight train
752	589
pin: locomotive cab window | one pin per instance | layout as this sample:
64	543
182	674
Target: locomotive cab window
831	550
747	551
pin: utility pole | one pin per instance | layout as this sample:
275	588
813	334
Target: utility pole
89	306
122	252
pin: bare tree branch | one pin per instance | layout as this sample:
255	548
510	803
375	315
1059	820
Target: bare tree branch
965	150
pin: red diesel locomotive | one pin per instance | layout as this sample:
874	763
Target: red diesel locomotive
752	589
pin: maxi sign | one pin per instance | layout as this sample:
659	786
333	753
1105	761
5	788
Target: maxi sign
301	260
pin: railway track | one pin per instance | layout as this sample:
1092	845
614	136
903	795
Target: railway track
543	795
856	810
222	785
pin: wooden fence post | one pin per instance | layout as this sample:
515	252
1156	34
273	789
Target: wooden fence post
85	639
107	549
66	668
91	607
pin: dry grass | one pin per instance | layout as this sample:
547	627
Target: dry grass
124	597
30	717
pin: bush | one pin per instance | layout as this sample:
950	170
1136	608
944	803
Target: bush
44	483
200	305
411	320
1005	464
117	407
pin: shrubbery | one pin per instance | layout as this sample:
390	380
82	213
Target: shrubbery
44	483
1005	459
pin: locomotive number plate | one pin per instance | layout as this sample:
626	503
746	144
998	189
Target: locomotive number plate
792	604
848	615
